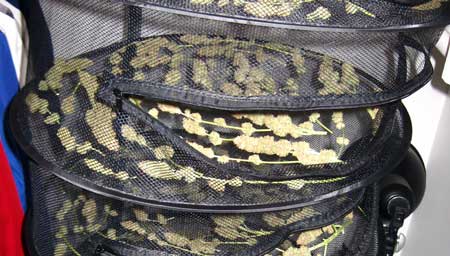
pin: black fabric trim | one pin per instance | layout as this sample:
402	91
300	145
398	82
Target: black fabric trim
441	21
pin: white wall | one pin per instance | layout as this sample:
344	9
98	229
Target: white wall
427	229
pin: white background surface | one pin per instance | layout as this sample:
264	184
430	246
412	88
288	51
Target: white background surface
428	229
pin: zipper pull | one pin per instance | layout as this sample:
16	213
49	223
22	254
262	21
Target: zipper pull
119	98
102	251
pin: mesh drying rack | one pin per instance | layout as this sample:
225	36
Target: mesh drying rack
217	127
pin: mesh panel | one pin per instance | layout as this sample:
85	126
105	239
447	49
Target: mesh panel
67	220
357	67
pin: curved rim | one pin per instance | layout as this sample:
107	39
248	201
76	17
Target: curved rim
441	22
402	117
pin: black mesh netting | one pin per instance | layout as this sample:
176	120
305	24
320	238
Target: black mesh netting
324	69
112	137
66	220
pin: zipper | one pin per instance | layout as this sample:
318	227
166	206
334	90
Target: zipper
219	101
203	99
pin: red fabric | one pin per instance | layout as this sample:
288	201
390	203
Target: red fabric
11	213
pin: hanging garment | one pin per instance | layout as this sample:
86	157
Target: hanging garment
9	87
15	13
5	10
11	175
11	214
10	29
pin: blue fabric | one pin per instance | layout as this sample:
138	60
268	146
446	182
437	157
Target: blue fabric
15	3
9	86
